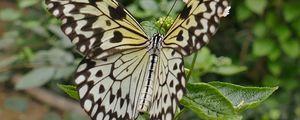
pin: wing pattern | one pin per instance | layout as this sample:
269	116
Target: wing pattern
196	24
169	85
98	27
109	88
111	76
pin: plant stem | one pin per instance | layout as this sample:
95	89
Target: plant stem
192	67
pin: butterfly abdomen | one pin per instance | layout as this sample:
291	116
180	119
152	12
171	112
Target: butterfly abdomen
147	90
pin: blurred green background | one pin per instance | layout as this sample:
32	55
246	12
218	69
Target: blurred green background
260	39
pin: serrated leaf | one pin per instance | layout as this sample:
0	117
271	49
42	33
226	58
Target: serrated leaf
36	78
207	102
256	6
243	97
70	90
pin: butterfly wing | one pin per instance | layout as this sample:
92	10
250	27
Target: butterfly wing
98	28
169	85
110	88
195	25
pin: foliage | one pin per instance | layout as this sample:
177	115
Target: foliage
260	37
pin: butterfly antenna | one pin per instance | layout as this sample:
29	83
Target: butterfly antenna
167	15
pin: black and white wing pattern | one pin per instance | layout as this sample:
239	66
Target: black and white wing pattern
196	24
98	28
109	88
169	85
125	73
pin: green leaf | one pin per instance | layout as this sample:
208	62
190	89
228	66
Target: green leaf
70	90
263	47
204	61
271	20
228	70
296	27
282	32
149	27
291	48
55	56
259	29
257	6
243	13
27	3
148	5
17	104
291	11
244	97
275	68
64	72
275	54
207	102
36	78
9	14
270	80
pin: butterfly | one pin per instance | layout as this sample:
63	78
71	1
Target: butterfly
124	72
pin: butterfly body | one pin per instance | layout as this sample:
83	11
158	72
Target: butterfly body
124	72
147	90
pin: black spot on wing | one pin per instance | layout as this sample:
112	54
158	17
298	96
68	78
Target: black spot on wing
180	36
117	37
101	89
99	73
93	2
117	13
185	13
175	66
108	23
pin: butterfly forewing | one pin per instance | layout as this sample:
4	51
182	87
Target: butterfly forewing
110	88
98	28
196	24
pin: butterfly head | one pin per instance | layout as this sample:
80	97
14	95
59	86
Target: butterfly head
157	36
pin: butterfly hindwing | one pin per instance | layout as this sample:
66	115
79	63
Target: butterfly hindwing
110	88
195	25
169	85
98	28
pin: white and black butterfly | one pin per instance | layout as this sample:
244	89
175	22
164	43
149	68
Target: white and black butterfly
125	73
